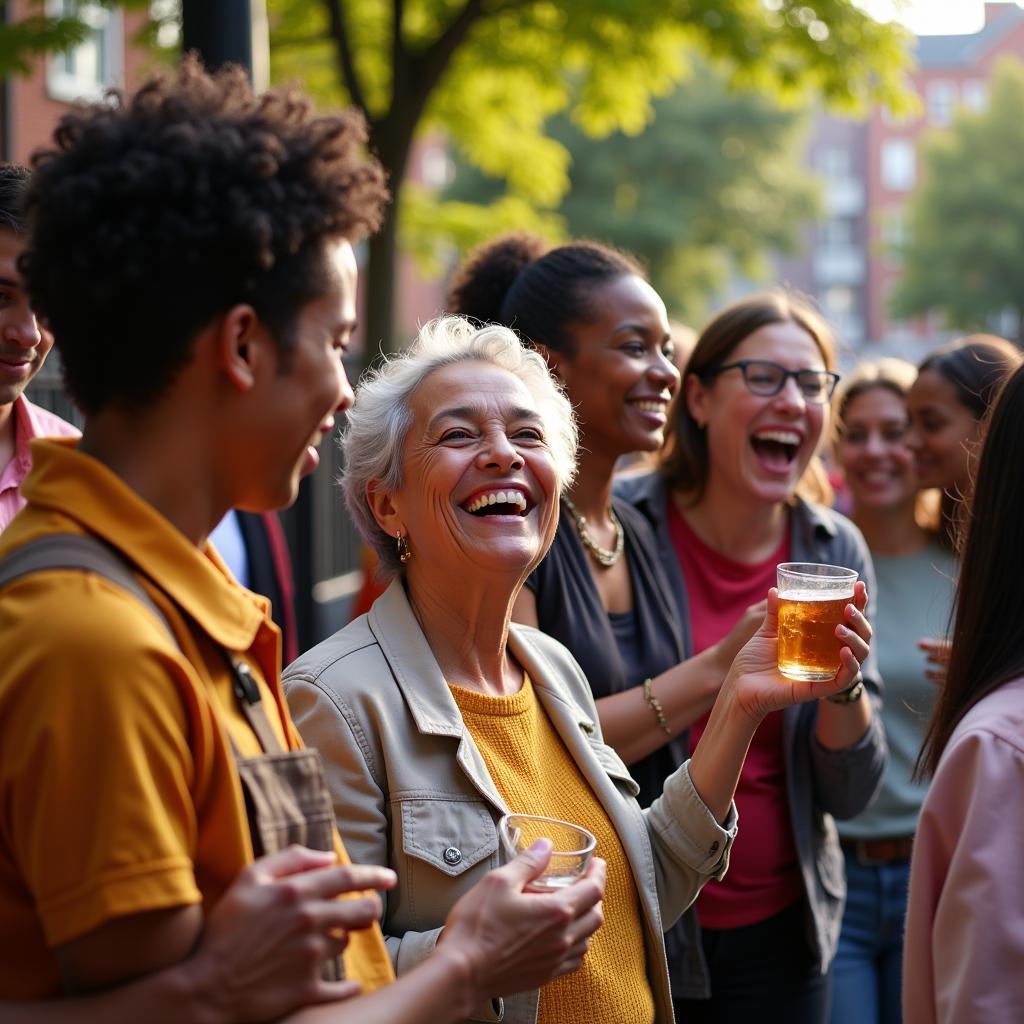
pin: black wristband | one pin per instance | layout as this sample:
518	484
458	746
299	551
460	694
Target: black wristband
851	694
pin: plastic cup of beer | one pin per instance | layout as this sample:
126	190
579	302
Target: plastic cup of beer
571	847
812	599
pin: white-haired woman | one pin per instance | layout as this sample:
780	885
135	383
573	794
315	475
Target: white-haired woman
435	715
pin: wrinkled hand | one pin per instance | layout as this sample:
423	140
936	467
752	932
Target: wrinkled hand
759	686
516	940
937	651
264	943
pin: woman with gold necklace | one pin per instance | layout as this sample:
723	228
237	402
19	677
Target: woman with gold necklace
602	590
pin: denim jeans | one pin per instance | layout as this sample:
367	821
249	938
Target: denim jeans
761	973
867	969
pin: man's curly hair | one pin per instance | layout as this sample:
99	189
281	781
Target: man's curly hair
154	213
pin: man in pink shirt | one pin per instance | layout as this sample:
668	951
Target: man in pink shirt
23	348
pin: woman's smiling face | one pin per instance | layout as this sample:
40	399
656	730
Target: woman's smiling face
942	433
480	486
759	447
872	449
620	376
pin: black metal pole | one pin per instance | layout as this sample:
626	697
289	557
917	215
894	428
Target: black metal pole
228	32
220	31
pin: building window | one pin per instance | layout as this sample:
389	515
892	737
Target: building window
941	102
899	165
96	63
834	162
895	236
975	95
837	233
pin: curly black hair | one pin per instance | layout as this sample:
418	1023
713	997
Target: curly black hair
13	185
517	281
154	213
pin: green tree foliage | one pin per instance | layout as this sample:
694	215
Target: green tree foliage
965	224
37	31
712	183
490	74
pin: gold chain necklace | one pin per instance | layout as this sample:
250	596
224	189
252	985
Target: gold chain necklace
603	555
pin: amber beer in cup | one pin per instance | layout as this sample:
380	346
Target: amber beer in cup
812	599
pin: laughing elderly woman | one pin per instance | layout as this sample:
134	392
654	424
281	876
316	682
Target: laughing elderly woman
435	716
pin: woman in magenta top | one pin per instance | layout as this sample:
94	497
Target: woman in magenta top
737	493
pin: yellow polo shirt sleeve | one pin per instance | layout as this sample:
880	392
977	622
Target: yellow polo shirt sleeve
97	773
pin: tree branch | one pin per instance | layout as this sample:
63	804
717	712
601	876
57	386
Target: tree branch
346	65
431	63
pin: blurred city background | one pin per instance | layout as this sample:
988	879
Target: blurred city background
866	153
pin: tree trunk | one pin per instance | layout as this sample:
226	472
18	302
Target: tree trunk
381	287
392	142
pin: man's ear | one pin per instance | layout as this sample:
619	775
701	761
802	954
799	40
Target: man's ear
382	506
241	343
557	362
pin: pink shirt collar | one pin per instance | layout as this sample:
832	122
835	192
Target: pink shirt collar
29	421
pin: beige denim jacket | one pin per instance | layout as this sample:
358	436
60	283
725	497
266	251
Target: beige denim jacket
411	790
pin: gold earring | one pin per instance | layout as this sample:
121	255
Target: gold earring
404	554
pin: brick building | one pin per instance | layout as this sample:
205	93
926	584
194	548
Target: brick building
870	169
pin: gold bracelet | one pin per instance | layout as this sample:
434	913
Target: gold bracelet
656	707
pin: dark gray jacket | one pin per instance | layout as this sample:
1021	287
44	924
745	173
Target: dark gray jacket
822	784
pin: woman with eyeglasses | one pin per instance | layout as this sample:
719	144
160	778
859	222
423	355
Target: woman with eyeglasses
740	489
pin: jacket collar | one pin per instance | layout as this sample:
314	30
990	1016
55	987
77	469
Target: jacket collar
413	664
430	702
84	490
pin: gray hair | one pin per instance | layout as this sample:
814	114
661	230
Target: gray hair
379	421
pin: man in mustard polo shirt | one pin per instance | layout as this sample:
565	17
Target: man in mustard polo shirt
191	251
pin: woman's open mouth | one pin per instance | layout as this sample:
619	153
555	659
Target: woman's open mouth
776	450
507	502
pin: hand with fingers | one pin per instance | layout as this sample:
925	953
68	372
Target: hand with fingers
517	940
265	941
937	651
732	643
761	688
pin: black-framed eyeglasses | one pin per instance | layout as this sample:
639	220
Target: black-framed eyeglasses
765	379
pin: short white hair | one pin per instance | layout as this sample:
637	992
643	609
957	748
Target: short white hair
379	420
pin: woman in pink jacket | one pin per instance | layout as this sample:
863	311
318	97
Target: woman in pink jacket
964	947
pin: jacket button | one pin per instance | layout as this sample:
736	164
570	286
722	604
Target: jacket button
453	855
714	846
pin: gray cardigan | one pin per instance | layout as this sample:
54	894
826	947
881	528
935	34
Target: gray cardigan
411	790
821	784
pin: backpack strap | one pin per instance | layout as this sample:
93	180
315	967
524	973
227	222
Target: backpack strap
77	551
88	553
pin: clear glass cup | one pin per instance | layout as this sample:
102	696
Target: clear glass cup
571	847
812	599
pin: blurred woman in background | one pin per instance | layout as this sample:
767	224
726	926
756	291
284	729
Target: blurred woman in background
965	916
954	388
914	576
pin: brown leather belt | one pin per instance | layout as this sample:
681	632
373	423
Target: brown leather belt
879	851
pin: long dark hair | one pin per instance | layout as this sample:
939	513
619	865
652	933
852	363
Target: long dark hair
988	631
686	462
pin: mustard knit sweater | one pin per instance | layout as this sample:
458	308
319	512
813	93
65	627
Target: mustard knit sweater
533	771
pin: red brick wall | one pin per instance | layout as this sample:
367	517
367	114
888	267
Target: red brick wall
33	113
